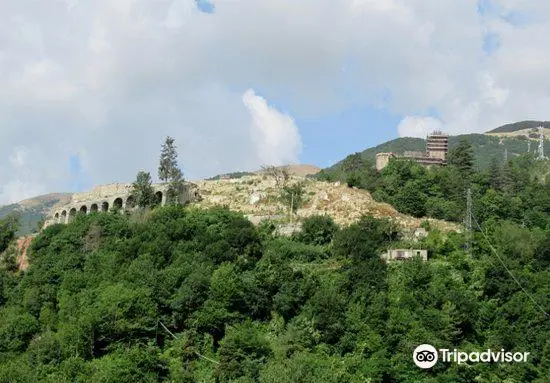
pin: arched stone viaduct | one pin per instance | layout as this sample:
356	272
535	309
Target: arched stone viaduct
106	197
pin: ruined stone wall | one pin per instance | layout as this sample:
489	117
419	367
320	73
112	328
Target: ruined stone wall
382	160
104	197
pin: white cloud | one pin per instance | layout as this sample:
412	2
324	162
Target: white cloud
276	135
17	190
111	78
19	157
414	126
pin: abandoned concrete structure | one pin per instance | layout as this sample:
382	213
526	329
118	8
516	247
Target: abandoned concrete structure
437	146
404	254
383	159
118	196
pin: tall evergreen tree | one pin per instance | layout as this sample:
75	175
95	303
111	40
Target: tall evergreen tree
169	170
495	175
462	156
142	189
508	179
168	164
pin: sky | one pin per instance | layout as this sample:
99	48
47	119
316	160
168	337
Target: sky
89	89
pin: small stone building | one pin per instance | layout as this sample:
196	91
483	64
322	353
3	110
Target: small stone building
404	254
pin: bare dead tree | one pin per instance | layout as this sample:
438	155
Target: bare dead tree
281	175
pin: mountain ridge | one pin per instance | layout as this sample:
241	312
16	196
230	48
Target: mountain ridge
32	210
520	125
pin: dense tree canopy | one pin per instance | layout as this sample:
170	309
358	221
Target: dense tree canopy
8	228
186	295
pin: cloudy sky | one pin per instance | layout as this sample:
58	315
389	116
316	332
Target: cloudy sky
89	88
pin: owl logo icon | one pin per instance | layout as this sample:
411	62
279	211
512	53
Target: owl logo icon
425	356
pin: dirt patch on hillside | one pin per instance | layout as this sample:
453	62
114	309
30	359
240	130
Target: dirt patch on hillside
257	196
23	244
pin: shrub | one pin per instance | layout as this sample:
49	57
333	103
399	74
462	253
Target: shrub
318	230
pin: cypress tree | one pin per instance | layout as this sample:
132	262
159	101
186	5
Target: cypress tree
462	156
168	169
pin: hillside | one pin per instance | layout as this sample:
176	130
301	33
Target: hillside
521	125
194	295
33	210
257	197
200	294
297	170
486	147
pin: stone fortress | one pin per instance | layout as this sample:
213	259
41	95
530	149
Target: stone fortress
437	146
113	196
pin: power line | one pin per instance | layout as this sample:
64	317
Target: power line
508	270
196	353
540	151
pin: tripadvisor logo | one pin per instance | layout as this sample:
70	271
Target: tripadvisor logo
426	356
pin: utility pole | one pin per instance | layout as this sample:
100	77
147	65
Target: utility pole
540	151
468	219
291	206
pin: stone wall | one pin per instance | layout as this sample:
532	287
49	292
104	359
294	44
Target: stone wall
105	197
403	254
382	160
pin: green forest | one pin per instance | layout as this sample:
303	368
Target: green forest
178	294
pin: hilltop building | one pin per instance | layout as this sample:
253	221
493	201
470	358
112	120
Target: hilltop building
437	147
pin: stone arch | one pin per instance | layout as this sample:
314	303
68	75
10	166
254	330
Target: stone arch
94	208
158	198
83	209
56	217
105	206
64	216
117	203
130	202
72	214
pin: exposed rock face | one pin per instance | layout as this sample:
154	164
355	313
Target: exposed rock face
255	198
345	205
105	197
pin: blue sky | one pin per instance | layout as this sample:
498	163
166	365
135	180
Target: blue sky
330	138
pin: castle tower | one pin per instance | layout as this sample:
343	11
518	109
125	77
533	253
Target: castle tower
437	146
